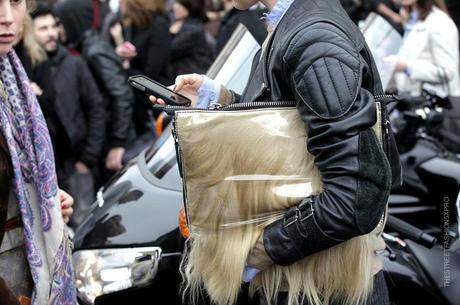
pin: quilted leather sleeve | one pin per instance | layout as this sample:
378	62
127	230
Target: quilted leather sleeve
326	72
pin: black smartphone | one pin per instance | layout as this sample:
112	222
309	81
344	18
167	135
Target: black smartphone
151	87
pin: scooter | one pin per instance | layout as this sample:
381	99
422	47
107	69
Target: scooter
431	173
419	269
422	258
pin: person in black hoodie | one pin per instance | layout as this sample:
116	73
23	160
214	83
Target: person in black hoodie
76	16
78	128
190	50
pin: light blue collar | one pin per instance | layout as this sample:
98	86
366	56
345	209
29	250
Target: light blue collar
274	17
413	18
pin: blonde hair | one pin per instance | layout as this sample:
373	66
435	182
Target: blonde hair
140	12
230	203
36	53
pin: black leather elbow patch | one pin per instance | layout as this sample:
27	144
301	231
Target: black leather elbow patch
329	86
374	182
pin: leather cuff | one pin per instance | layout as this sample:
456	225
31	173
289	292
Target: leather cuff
296	235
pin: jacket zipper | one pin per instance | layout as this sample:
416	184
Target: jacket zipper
265	67
383	96
386	124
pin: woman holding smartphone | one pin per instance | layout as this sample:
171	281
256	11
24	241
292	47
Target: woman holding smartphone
35	253
315	55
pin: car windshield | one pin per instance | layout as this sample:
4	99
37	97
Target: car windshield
231	68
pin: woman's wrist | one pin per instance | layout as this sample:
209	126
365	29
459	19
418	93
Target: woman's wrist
208	93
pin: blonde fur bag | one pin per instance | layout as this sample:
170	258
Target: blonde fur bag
242	170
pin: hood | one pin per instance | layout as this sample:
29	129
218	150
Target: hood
76	16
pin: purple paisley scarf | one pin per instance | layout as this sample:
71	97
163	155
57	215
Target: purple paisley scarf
35	187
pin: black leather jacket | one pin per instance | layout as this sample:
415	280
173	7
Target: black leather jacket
106	66
112	81
318	58
79	107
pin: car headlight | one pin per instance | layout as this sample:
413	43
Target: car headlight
103	271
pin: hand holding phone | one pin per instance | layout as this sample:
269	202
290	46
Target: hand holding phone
151	87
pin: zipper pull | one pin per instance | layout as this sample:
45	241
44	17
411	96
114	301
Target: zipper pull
264	87
214	106
386	124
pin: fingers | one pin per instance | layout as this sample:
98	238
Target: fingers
66	200
114	159
66	205
67	212
258	257
182	82
155	100
67	218
113	164
187	79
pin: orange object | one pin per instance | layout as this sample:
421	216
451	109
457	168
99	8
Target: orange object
159	125
183	226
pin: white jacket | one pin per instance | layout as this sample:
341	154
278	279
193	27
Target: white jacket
431	51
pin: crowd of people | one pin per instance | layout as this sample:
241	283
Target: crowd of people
78	54
68	119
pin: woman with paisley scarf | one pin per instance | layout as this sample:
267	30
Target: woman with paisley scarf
35	253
